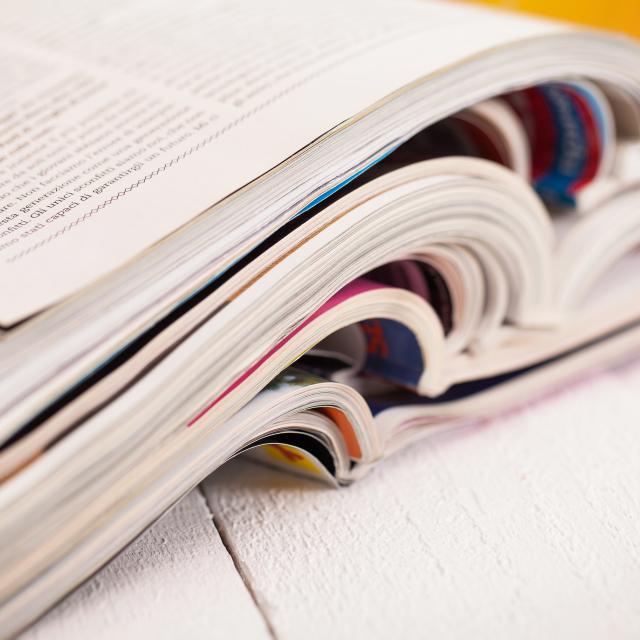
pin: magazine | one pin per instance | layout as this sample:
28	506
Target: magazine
305	233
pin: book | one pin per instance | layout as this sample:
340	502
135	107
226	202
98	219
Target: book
307	234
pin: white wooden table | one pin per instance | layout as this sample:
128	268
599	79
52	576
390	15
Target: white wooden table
525	527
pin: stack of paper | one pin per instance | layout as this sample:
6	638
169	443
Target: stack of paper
316	231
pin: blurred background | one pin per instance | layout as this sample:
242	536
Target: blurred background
618	15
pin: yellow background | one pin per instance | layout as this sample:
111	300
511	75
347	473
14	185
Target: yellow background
619	15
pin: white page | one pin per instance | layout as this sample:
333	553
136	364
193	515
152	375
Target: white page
121	122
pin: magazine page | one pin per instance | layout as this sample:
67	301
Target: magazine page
110	139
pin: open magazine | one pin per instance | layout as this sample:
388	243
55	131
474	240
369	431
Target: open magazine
309	233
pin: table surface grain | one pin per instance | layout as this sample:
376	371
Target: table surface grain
526	526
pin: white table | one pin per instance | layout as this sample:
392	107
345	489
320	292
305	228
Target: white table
525	527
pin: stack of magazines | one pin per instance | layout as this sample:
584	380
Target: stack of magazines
306	232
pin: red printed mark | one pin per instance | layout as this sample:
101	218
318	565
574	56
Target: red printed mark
376	342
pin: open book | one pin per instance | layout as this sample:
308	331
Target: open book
309	232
